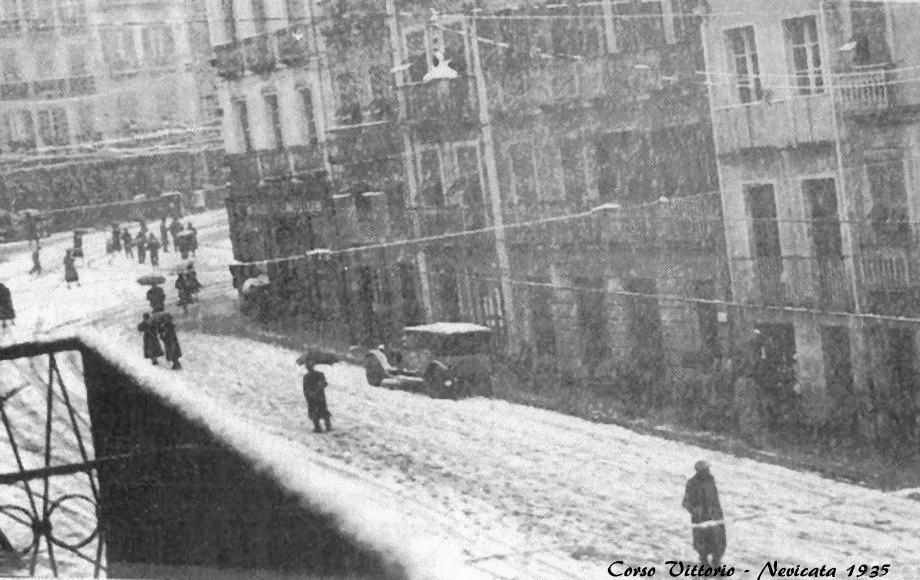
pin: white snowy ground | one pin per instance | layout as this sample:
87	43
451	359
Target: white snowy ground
525	492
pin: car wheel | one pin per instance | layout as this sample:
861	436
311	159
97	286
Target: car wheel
374	371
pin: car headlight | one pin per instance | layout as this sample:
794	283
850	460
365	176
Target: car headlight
448	383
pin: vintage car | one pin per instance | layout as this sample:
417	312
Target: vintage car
443	359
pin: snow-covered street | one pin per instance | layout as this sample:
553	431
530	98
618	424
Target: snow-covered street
524	492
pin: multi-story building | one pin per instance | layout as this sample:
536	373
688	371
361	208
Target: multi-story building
451	127
815	121
102	100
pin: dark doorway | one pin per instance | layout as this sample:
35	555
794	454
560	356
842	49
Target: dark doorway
838	373
774	373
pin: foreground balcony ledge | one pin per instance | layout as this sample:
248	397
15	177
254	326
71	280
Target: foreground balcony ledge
775	124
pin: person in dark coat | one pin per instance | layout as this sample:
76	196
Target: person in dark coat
153	246
70	270
140	241
164	235
191	281
174	229
182	288
314	390
152	348
116	238
77	244
157	298
7	313
127	242
36	260
183	244
167	331
701	499
193	239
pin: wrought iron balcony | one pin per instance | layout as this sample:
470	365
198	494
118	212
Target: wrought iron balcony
775	124
445	101
887	269
866	89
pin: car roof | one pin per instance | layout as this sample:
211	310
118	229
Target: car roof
448	328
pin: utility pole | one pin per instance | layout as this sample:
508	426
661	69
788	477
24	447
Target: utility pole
491	171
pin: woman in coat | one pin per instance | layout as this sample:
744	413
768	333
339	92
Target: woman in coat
70	270
152	348
701	499
182	288
171	347
141	242
116	237
7	313
314	390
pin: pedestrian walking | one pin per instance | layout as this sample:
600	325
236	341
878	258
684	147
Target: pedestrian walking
70	270
191	282
174	229
314	390
156	296
36	260
7	312
152	347
153	246
116	238
164	235
140	242
127	242
183	290
167	331
78	243
701	499
193	238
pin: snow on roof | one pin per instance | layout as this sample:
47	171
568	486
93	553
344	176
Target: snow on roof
449	328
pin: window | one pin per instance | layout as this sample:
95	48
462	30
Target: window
431	185
467	162
296	11
52	126
886	185
638	25
821	195
592	320
578	30
242	115
765	230
380	88
870	29
126	111
805	54
743	53
86	121
708	320
349	111
309	126
274	112
524	172
72	12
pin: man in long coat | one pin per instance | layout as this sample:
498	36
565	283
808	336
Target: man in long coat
701	499
141	242
167	331
152	348
314	390
153	246
127	242
7	313
70	269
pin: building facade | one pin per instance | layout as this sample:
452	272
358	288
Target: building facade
102	100
815	122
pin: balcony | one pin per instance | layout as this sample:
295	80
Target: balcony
353	144
84	85
293	48
867	89
776	124
887	269
15	91
797	282
443	102
304	159
50	88
244	171
260	53
228	60
273	164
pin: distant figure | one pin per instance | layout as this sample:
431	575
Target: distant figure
193	239
140	241
116	238
314	390
143	226
36	260
127	242
32	228
174	229
167	331
152	348
153	246
184	245
191	282
70	270
164	235
77	244
701	499
184	291
157	298
7	313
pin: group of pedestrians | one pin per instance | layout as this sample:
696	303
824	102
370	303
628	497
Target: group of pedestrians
160	339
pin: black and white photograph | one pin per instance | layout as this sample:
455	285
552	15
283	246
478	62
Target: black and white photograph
460	289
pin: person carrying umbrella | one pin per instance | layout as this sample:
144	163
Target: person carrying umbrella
164	235
70	270
127	242
153	245
157	298
314	390
152	348
167	331
7	313
36	260
140	242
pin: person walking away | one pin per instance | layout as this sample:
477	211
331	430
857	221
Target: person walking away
7	312
314	390
183	244
167	331
157	298
116	237
182	288
192	283
701	499
174	229
164	235
36	260
141	243
70	270
193	238
152	348
127	242
153	246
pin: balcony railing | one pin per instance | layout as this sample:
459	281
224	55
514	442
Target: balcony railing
273	164
50	88
443	101
363	142
775	124
262	53
811	282
887	269
83	85
15	91
866	89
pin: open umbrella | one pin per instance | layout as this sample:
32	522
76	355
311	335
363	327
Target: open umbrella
151	280
317	356
183	267
258	282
